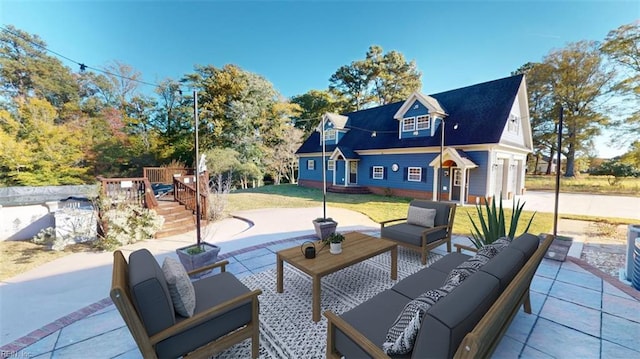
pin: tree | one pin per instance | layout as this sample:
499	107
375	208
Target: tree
573	78
622	47
313	105
377	80
27	71
616	171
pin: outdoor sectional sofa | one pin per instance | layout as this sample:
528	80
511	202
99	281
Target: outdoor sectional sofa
466	323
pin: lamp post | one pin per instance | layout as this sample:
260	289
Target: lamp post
197	176
555	211
441	164
324	172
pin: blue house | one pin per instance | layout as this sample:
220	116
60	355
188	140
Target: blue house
461	145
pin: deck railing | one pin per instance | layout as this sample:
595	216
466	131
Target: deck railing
131	190
184	191
165	174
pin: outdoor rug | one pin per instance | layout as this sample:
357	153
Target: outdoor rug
286	328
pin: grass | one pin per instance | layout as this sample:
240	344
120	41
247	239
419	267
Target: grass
20	256
585	184
376	207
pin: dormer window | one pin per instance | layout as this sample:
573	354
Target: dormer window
422	122
513	125
408	124
330	135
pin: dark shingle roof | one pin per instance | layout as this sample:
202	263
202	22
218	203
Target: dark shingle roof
480	111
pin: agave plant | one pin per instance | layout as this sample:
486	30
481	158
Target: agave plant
494	225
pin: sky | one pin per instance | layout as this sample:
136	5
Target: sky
298	45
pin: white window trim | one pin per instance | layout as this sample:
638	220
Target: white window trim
410	179
457	177
311	165
331	165
427	122
380	174
330	135
404	124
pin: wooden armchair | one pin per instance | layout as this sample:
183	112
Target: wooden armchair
226	310
418	237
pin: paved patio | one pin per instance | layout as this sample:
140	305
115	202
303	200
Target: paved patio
576	313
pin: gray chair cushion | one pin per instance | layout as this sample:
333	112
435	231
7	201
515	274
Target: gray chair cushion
373	319
527	243
505	266
442	210
210	291
448	262
450	319
150	292
424	217
420	282
410	233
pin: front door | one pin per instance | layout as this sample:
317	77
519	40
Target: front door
353	172
456	184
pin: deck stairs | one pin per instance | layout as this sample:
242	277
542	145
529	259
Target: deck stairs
177	219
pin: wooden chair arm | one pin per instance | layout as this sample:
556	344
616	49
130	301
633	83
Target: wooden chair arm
363	342
434	229
204	316
392	220
221	264
460	247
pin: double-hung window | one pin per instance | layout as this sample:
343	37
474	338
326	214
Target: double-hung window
414	174
331	165
378	172
311	165
408	124
330	135
422	122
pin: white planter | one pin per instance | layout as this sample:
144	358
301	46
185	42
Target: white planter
335	248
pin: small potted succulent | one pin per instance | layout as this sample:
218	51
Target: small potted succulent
335	242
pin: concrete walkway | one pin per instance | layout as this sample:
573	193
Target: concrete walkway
583	204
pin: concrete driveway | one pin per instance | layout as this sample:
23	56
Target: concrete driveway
583	204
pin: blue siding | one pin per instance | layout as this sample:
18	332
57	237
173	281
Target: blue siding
478	176
397	179
413	111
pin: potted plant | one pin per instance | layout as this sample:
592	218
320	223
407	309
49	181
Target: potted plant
335	242
493	226
198	255
324	226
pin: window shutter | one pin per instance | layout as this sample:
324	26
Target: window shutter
405	174
371	172
424	174
384	173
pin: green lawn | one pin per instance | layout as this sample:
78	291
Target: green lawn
585	184
376	207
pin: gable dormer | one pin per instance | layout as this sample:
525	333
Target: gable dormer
419	116
334	128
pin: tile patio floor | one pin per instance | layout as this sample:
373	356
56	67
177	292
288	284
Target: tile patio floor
576	314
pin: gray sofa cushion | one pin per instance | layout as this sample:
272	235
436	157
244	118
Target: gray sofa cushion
448	262
450	319
420	282
210	291
505	266
526	243
442	210
373	319
150	292
410	233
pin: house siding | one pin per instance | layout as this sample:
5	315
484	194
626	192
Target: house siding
397	179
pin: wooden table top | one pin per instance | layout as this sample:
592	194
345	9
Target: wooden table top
355	248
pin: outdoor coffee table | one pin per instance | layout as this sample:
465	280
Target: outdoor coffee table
356	248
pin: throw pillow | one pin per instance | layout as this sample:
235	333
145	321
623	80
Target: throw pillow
180	287
424	217
402	335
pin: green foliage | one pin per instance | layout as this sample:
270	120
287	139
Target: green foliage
334	237
616	171
494	226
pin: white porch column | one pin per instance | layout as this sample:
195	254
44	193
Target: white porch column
463	183
434	196
347	163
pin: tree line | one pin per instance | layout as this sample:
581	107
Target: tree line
60	126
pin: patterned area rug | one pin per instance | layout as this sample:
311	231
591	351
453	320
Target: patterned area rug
286	328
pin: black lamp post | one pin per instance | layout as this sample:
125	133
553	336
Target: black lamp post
197	177
558	165
441	161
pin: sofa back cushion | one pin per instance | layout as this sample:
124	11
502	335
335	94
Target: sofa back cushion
504	266
527	243
150	292
447	322
442	210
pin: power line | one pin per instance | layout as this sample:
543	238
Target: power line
82	66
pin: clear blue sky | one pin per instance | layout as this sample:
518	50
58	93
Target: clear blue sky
297	45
